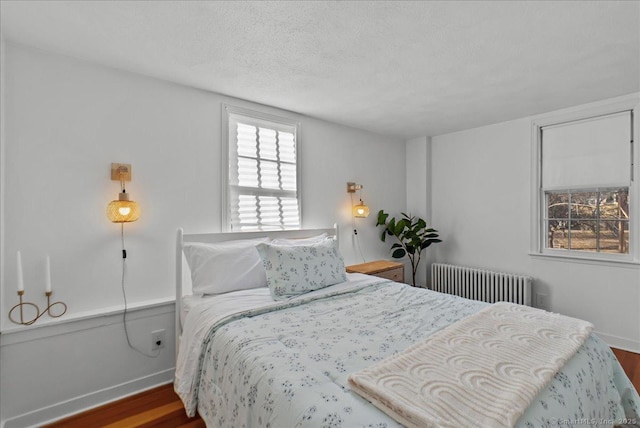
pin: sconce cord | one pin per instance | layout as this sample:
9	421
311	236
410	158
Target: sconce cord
355	231
124	296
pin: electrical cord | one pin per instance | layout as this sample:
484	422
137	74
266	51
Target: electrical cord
124	296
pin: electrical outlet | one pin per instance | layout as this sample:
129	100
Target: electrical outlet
157	339
542	301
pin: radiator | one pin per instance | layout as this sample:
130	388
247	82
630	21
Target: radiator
479	284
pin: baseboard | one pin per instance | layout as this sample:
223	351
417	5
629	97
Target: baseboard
88	401
620	342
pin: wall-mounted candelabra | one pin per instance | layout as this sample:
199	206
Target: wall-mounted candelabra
20	307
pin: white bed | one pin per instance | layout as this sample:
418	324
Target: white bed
247	360
183	276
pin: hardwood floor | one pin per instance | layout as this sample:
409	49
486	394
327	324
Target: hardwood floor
160	407
630	362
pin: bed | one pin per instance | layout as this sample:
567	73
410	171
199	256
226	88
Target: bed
251	358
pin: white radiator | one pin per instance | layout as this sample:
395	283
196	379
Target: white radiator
479	284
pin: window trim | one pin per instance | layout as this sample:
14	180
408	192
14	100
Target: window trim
537	243
226	111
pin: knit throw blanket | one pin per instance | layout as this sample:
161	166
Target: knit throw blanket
483	371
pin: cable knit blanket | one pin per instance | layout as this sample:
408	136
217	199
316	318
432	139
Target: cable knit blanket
482	371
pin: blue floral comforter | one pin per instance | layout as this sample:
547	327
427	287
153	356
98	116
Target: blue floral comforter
259	363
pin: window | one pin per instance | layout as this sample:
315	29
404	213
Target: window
585	187
588	220
262	179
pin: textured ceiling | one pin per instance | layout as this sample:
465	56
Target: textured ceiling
397	68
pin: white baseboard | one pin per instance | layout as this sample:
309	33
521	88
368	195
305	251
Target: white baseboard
620	342
85	402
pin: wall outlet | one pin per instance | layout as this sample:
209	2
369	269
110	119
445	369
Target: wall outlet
542	301
157	339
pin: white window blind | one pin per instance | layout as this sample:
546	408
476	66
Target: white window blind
586	170
594	152
263	182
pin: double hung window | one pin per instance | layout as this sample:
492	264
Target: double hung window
586	173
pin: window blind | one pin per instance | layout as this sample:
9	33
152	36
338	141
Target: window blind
263	182
594	152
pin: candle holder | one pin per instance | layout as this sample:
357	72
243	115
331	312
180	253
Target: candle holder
20	307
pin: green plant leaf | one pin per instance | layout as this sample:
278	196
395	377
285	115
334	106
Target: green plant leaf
431	235
396	245
382	218
428	242
383	237
398	254
399	227
391	225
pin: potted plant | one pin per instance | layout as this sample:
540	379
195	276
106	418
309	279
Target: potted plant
413	237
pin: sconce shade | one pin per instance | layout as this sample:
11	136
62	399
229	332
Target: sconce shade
123	210
361	210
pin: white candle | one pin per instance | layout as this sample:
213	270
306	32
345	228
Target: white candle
20	277
48	283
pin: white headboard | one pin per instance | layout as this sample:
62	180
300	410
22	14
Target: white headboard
183	276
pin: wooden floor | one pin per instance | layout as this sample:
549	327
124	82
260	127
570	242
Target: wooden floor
630	362
160	407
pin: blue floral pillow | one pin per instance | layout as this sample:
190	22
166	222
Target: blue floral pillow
295	270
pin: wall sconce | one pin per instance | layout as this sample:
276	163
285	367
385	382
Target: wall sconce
122	210
360	210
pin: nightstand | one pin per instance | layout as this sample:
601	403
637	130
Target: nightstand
380	268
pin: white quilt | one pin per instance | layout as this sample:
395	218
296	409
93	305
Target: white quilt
251	362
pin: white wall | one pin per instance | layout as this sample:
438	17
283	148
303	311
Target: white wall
66	121
481	205
418	179
58	369
2	142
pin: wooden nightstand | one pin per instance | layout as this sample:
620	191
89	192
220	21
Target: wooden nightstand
380	268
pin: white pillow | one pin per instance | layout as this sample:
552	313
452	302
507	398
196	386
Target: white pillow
299	269
225	266
301	241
